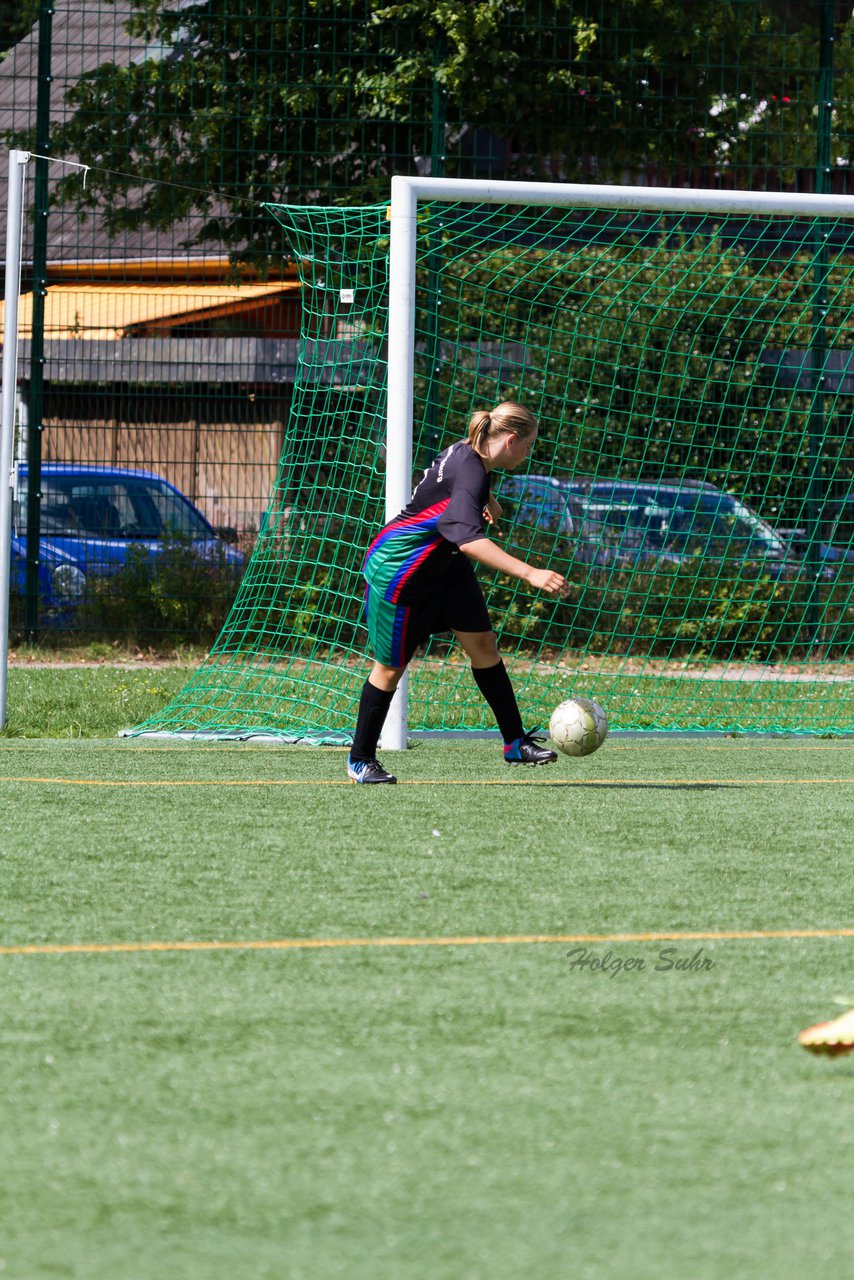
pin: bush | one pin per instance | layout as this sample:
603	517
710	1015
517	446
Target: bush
182	594
692	612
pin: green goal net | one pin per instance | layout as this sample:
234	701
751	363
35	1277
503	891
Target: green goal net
693	478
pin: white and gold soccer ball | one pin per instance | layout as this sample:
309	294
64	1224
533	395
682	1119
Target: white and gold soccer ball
578	727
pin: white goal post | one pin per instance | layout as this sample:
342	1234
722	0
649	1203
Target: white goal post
14	225
15	194
405	195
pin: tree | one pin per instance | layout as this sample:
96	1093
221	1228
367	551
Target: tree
16	19
241	101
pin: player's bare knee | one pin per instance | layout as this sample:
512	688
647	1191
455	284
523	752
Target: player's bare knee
481	647
387	678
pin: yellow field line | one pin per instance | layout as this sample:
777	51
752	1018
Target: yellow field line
432	782
305	944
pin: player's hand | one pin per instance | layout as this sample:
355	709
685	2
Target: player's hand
554	584
493	512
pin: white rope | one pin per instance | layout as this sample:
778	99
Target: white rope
74	164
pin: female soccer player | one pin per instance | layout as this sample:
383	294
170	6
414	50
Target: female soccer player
421	581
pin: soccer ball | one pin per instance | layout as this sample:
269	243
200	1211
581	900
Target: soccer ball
578	727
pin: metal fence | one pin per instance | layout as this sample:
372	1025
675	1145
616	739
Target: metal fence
161	309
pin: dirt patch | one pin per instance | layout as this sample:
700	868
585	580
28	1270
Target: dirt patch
118	659
586	666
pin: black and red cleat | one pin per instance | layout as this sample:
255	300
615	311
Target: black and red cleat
527	750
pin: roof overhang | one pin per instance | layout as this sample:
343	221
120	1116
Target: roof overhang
124	311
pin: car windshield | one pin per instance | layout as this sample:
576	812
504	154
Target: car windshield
541	506
679	523
842	534
114	507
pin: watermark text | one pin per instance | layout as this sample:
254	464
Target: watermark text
668	960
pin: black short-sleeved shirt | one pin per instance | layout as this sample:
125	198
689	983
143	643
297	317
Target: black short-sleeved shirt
417	552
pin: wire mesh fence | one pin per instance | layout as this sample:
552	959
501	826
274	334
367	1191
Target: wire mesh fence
161	308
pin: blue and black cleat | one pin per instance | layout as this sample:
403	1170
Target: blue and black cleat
369	771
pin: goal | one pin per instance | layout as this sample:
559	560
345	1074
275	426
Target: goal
687	354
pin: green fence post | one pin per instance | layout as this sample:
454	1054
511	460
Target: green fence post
37	357
816	491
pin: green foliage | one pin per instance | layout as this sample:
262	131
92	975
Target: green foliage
240	102
16	19
695	610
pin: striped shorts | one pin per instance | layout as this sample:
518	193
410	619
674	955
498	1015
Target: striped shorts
396	630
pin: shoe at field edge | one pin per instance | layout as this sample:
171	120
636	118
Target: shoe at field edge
527	750
832	1037
370	771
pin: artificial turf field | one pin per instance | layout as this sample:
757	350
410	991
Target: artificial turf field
415	1072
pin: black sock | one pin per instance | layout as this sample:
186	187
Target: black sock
494	684
373	709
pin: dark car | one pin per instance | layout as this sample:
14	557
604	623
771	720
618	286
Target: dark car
836	547
544	503
94	518
840	544
627	522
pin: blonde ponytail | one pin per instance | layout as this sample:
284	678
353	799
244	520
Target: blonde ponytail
509	416
478	432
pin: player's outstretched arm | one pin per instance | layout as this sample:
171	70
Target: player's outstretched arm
484	551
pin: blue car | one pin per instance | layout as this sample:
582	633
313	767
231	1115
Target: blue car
93	519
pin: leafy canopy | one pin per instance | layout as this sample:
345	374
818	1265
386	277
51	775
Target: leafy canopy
235	102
